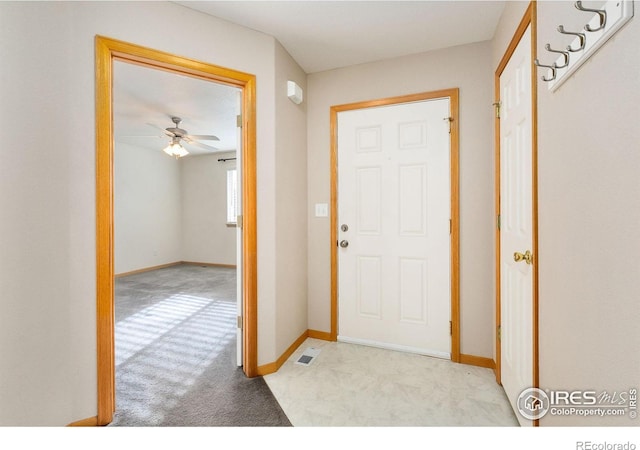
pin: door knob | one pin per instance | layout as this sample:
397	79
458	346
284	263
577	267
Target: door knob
344	243
526	257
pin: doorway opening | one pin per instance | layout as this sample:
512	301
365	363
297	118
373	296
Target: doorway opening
175	243
108	51
414	131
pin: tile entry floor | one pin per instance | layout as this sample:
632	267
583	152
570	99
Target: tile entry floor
353	386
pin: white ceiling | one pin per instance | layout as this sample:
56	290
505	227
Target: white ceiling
145	100
323	35
319	35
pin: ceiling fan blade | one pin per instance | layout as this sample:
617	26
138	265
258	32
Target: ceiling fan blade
202	137
158	136
164	130
201	146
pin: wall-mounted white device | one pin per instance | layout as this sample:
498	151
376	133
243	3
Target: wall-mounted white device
294	92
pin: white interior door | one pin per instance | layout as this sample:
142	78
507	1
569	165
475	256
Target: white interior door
516	224
394	227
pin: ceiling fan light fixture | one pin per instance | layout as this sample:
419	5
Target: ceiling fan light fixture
175	149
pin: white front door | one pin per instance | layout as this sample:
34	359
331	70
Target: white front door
394	204
516	224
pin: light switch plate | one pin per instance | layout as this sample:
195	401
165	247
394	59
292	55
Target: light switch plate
322	210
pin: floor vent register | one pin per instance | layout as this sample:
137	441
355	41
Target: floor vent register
308	356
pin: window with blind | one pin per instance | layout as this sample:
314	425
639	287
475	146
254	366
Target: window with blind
232	196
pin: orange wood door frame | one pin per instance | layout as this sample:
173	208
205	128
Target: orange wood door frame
529	19
108	50
453	95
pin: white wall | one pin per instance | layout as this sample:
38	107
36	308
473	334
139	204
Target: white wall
47	187
147	208
468	68
291	208
168	210
589	207
38	271
205	234
509	20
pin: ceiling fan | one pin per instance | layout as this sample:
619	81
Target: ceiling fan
178	134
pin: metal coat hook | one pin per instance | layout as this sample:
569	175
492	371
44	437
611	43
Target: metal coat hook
565	54
596	23
581	36
601	13
553	68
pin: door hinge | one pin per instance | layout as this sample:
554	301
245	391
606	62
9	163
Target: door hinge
450	226
449	120
239	221
239	121
240	322
497	108
499	332
450	328
498	221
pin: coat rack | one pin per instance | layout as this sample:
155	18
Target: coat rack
604	23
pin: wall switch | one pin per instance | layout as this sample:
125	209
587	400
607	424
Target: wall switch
322	210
